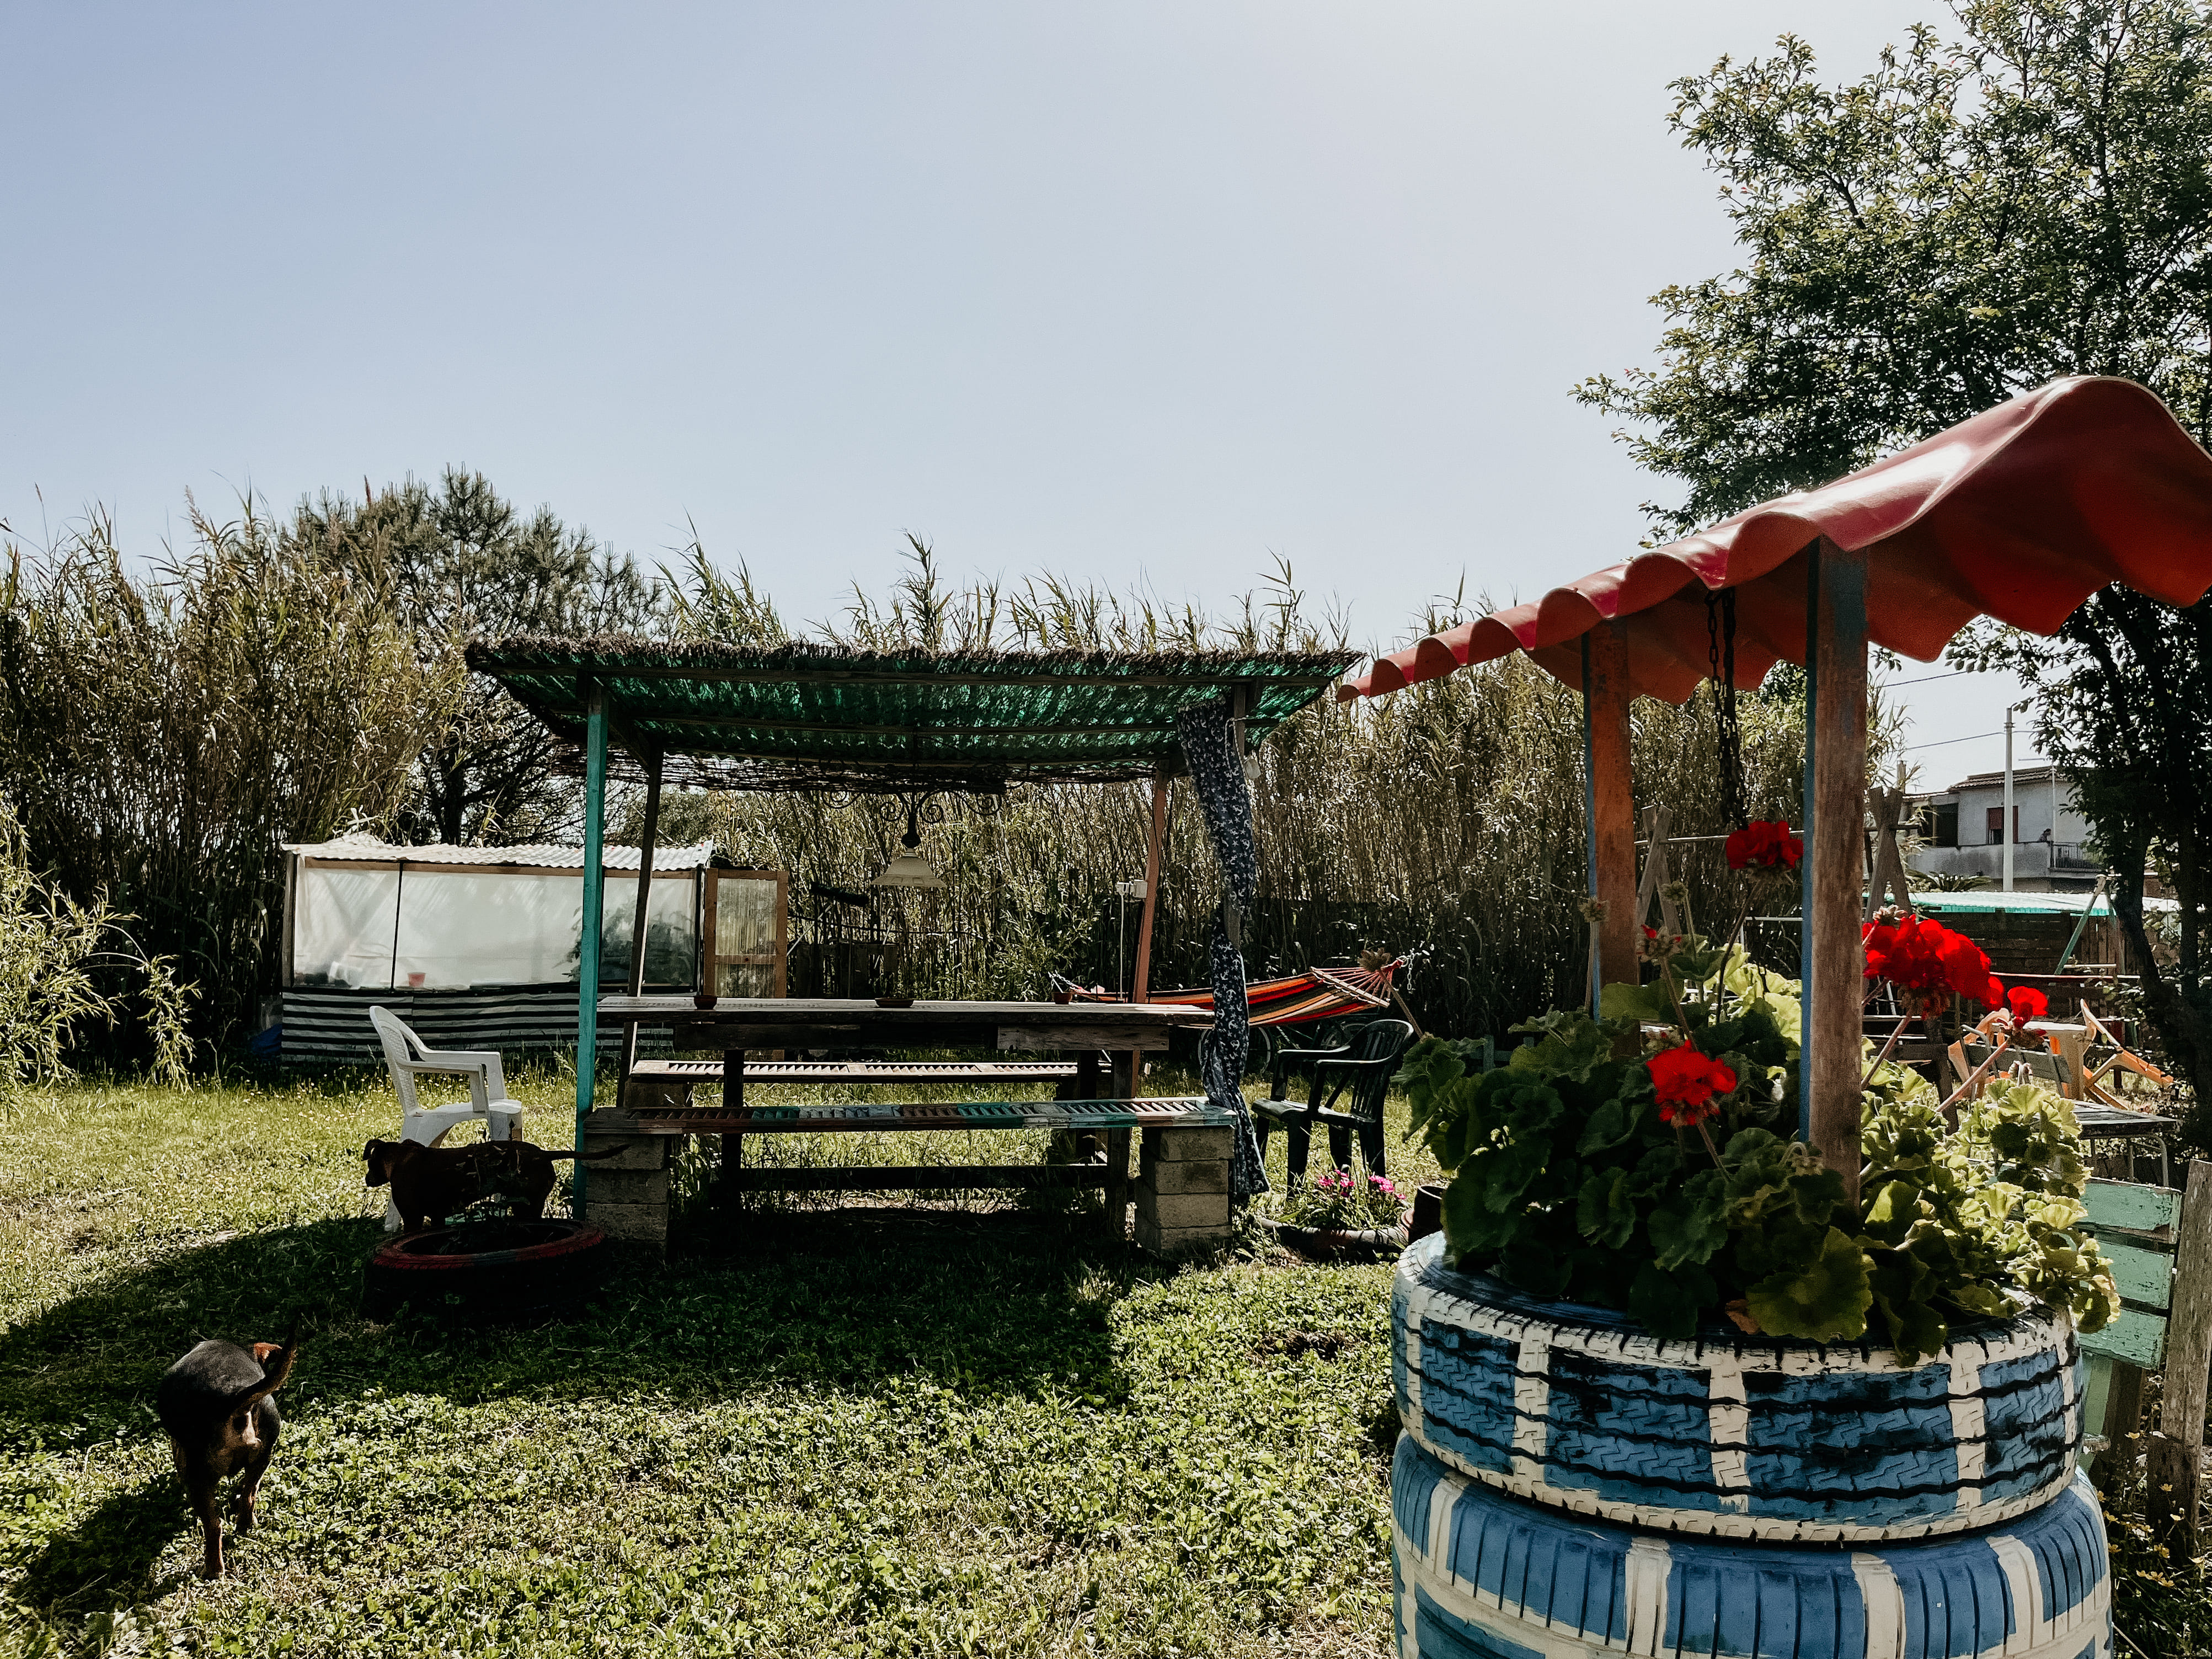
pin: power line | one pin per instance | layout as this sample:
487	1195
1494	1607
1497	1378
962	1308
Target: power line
1945	742
1927	679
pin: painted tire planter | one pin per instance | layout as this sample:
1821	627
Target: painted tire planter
1731	1435
1481	1575
488	1270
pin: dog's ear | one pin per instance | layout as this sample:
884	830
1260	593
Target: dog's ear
379	1156
274	1377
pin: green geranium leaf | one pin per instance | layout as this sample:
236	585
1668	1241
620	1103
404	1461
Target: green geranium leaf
1612	1122
1536	1267
1472	1228
1668	1303
1605	1213
1695	1225
1641	1003
1902	1284
1823	1299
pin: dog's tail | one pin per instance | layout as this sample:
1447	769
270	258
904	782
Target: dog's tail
276	1368
589	1157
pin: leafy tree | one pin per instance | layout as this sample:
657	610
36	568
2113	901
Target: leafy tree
1977	216
459	560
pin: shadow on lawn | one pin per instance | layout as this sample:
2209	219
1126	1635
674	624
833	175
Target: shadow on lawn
1007	1302
851	1298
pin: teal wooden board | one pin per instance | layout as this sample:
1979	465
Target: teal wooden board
2095	1399
2145	1277
2139	1209
2137	1338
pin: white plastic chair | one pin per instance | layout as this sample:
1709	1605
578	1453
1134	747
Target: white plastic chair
427	1124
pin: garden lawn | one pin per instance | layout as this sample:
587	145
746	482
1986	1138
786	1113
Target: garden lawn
857	1431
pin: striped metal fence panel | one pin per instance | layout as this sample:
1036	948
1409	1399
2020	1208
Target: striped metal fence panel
331	1027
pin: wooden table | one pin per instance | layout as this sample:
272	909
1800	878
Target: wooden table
736	1024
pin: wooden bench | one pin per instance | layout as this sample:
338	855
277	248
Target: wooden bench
2159	1244
662	1072
1181	1190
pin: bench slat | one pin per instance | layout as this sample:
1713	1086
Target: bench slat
864	1071
1160	1112
2144	1277
2139	1339
2139	1209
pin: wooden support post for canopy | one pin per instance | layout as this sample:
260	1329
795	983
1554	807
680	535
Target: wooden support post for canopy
651	758
1612	803
1836	745
1140	986
588	952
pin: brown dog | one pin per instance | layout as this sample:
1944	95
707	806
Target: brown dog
429	1183
216	1405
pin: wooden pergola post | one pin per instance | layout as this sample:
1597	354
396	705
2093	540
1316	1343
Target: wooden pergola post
1140	986
587	945
1835	811
652	759
1612	801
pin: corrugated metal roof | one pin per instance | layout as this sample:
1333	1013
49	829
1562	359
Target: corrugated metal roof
1990	900
825	718
364	849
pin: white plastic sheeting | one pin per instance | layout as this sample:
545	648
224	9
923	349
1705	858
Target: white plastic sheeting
370	926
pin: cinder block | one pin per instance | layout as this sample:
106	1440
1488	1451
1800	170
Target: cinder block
643	1093
626	1186
1168	1241
1198	1210
1185	1146
631	1152
1173	1180
631	1224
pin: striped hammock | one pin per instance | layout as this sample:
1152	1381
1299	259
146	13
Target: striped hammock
1316	993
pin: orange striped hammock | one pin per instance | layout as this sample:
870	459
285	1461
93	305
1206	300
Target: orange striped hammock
1316	993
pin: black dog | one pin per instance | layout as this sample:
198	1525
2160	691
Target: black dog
215	1402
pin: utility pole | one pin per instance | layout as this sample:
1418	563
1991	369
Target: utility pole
2006	831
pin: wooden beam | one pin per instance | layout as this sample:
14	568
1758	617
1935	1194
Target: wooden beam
2174	1473
587	953
1140	986
1612	803
1835	855
1317	680
652	759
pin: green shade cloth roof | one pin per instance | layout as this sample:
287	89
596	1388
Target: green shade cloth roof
825	717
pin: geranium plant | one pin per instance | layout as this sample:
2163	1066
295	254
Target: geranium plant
1660	1176
1341	1201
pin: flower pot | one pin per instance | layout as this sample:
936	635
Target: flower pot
1428	1210
1476	1572
1580	1409
1339	1244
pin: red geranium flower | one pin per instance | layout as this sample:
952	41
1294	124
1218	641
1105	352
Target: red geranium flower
1686	1082
1929	962
1767	843
2026	1003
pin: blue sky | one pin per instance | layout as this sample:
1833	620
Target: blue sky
1148	293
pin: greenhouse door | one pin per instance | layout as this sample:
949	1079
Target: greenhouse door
747	934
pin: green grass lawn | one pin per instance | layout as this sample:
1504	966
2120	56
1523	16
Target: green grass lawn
947	1428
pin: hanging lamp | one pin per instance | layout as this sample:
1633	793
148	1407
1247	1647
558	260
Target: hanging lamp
909	868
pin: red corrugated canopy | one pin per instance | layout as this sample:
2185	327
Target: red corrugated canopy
2020	513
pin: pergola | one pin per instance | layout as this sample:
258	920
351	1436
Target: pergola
2020	513
830	719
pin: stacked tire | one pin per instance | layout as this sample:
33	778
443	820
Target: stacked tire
1568	1484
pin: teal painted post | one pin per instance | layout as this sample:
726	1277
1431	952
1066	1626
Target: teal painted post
1589	817
587	953
1805	829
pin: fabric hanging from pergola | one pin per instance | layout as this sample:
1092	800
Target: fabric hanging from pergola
2020	513
821	717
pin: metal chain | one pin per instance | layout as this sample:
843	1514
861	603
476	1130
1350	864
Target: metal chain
1720	652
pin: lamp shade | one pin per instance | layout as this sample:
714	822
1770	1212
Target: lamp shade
910	870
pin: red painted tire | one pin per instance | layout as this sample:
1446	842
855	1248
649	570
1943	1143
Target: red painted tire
488	1270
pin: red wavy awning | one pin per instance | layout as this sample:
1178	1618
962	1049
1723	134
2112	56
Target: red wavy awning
2020	513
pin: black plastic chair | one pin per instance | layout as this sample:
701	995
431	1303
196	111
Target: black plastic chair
1360	1072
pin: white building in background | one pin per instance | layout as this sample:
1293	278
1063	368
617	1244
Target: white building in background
1965	828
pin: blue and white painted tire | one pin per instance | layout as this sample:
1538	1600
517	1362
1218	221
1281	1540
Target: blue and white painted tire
1480	1576
1729	1435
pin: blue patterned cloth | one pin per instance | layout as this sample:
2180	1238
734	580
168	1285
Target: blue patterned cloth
1217	770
